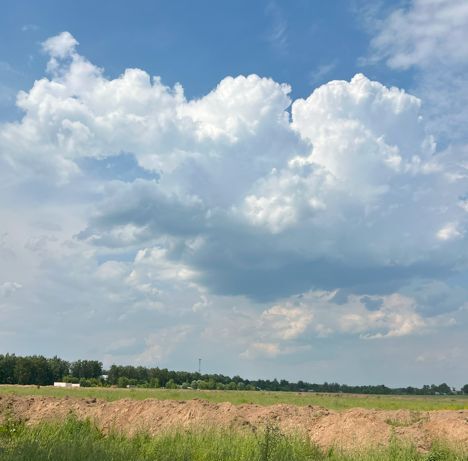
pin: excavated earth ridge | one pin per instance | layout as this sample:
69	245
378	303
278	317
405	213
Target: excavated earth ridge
352	429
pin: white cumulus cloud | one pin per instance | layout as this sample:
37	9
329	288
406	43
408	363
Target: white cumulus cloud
248	217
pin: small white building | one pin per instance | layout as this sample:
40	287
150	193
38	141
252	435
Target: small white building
60	384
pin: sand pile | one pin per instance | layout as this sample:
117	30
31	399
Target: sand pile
356	428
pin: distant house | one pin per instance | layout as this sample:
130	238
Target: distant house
60	384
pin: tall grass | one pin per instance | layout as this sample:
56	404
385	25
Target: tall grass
75	440
331	401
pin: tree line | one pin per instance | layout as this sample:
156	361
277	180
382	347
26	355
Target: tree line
43	371
36	369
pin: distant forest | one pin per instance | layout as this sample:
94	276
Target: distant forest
44	371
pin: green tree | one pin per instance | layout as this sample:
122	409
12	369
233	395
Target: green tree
444	389
86	369
59	368
7	369
171	384
123	381
154	382
42	371
23	371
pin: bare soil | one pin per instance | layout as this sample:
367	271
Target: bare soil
352	429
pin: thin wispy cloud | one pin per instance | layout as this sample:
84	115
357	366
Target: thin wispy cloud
321	72
30	28
277	33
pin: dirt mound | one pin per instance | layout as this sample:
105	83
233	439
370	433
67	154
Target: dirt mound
357	428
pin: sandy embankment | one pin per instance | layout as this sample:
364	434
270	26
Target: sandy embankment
351	429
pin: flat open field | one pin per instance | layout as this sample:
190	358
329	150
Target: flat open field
330	401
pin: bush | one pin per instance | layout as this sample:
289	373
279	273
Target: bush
171	384
123	382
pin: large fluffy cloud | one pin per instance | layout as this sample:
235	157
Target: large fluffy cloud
371	178
241	217
79	113
347	190
367	202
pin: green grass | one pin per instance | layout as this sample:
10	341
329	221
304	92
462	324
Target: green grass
331	401
74	440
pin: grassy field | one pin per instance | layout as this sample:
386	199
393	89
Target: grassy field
331	401
73	440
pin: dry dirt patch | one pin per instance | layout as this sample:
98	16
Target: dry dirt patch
356	428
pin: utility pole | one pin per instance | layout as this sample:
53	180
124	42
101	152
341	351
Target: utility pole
199	366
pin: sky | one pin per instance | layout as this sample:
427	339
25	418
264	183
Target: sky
278	188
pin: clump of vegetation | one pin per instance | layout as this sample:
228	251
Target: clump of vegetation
75	440
414	418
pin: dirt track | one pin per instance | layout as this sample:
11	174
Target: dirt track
349	429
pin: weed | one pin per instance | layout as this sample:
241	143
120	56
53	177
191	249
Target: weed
414	418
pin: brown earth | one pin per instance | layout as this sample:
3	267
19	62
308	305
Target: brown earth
351	429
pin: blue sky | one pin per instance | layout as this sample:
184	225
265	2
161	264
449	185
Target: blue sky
279	188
